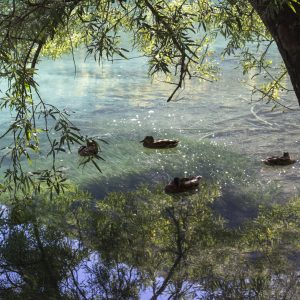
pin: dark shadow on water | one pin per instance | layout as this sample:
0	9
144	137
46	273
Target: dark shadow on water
130	182
236	206
236	203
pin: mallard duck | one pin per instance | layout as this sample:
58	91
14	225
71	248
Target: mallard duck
90	149
279	160
150	142
179	185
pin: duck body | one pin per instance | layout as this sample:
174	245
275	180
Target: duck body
279	160
90	149
150	142
180	185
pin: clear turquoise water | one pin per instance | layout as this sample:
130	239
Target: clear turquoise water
224	135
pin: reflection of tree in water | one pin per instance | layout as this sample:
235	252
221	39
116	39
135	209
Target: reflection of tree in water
144	245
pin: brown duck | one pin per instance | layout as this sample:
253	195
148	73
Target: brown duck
150	142
279	160
180	185
90	149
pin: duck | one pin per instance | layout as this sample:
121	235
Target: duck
180	185
90	149
279	160
150	142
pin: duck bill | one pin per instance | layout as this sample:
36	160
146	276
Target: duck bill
142	141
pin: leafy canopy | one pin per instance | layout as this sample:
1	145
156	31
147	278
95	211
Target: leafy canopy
114	248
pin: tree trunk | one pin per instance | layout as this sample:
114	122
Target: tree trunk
284	25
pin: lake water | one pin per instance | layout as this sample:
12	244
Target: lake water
222	133
223	137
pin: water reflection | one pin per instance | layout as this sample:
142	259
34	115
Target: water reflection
218	126
108	98
146	245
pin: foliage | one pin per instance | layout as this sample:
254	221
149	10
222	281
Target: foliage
75	248
35	255
129	241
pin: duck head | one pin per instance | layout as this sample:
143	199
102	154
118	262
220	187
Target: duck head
176	181
148	139
91	143
286	154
